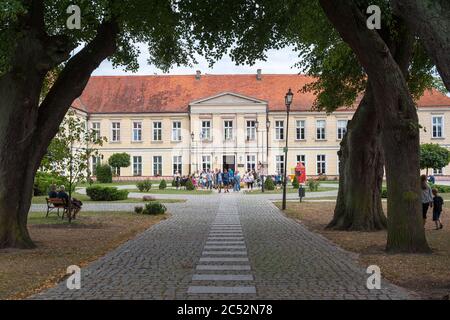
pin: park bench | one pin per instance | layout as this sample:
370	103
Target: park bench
55	204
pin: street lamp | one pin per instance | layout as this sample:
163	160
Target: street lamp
288	101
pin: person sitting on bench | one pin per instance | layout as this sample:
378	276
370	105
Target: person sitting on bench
53	194
76	204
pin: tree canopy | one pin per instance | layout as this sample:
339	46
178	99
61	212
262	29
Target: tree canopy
433	156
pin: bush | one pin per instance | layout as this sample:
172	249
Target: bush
384	193
162	184
440	188
144	185
189	185
313	185
43	181
138	209
295	184
269	184
154	208
98	193
103	173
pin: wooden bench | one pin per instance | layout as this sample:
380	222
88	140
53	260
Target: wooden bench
56	204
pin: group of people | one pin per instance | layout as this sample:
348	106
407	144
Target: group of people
225	180
61	193
431	198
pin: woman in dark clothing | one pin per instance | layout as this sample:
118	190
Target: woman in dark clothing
226	181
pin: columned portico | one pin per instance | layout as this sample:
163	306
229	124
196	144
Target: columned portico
228	131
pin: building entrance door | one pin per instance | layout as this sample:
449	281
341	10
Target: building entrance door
229	162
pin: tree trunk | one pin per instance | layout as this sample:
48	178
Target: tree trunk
26	128
430	20
358	205
399	121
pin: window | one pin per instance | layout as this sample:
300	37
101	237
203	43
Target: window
115	131
95	161
437	172
157	131
301	158
137	131
437	126
251	162
206	130
251	130
206	163
320	130
341	128
300	130
228	129
321	164
279	162
176	131
96	130
157	165
177	165
279	130
137	166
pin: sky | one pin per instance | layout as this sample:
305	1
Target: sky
278	61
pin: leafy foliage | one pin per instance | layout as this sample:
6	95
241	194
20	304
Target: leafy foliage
313	184
189	185
104	173
119	160
269	184
433	156
295	183
99	193
144	185
71	149
162	184
43	181
138	209
154	208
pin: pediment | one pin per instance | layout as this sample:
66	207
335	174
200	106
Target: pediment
228	98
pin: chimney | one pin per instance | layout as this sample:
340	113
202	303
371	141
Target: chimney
198	74
258	74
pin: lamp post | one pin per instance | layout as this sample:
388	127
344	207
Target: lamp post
288	101
190	153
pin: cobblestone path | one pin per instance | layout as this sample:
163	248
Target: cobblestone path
225	246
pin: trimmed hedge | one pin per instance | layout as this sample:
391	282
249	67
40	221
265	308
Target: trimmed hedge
269	184
103	173
144	185
162	184
440	188
313	185
154	208
189	185
99	193
295	183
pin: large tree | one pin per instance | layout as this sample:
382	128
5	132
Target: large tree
34	41
430	20
398	118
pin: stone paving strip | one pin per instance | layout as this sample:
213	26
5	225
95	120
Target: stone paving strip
225	233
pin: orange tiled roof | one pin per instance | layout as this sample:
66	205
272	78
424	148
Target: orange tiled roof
173	93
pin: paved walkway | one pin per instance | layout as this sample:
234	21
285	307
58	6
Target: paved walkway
225	247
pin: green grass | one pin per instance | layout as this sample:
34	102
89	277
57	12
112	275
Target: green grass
171	191
119	183
280	191
85	198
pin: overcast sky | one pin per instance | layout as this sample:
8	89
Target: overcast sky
278	61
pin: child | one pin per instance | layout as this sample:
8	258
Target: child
437	209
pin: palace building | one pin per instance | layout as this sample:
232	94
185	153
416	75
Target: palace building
187	123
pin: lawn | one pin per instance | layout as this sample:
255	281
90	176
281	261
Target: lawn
85	198
171	191
59	244
288	190
426	274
